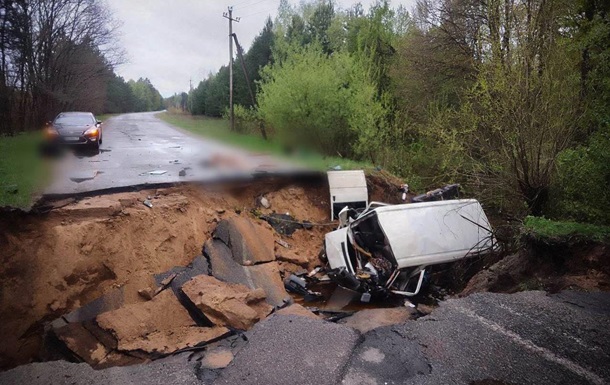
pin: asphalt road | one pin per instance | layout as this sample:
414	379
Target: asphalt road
483	339
140	149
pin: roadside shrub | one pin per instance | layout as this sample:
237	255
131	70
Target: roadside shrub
580	188
321	102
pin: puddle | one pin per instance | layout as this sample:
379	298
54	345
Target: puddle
154	172
82	176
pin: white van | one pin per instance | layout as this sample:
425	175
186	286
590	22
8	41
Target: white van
386	246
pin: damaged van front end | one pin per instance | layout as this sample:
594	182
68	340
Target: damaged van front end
386	248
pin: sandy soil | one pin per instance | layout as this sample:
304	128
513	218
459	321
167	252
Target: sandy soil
53	263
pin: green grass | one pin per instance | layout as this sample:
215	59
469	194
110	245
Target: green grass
553	231
219	129
22	173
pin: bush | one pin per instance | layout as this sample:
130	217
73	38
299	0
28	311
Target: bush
580	189
326	103
246	119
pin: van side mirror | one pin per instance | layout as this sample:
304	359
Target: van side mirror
98	123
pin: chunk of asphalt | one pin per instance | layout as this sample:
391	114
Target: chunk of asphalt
292	349
265	275
250	243
385	357
198	266
111	301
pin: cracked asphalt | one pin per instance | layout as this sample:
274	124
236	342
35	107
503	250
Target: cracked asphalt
486	338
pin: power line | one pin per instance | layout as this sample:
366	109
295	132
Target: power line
249	5
240	3
256	13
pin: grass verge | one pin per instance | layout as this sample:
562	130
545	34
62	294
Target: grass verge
22	174
219	129
563	231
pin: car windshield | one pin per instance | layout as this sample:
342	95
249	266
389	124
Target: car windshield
74	120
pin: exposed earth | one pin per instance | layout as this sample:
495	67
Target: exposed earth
112	282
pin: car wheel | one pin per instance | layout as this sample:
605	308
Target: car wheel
95	146
101	137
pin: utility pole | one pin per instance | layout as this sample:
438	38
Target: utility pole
229	15
190	98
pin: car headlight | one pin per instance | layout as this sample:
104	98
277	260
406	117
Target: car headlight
93	131
50	132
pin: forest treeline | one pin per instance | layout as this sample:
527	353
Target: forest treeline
59	55
510	98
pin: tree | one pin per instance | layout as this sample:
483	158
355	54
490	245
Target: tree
320	22
120	97
56	55
147	98
259	55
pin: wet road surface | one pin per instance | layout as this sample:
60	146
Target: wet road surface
140	149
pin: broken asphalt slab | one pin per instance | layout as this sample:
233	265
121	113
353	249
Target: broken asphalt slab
265	275
486	338
156	327
292	349
250	243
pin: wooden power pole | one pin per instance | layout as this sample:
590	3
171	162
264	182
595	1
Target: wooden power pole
229	15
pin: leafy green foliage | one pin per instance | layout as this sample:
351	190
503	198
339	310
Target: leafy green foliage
321	102
581	184
509	98
258	55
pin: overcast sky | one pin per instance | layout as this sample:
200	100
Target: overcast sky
170	42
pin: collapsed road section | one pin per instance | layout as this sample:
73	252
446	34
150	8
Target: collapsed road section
130	278
84	257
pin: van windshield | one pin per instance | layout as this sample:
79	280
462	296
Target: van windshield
371	245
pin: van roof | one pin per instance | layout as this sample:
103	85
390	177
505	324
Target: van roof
434	232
